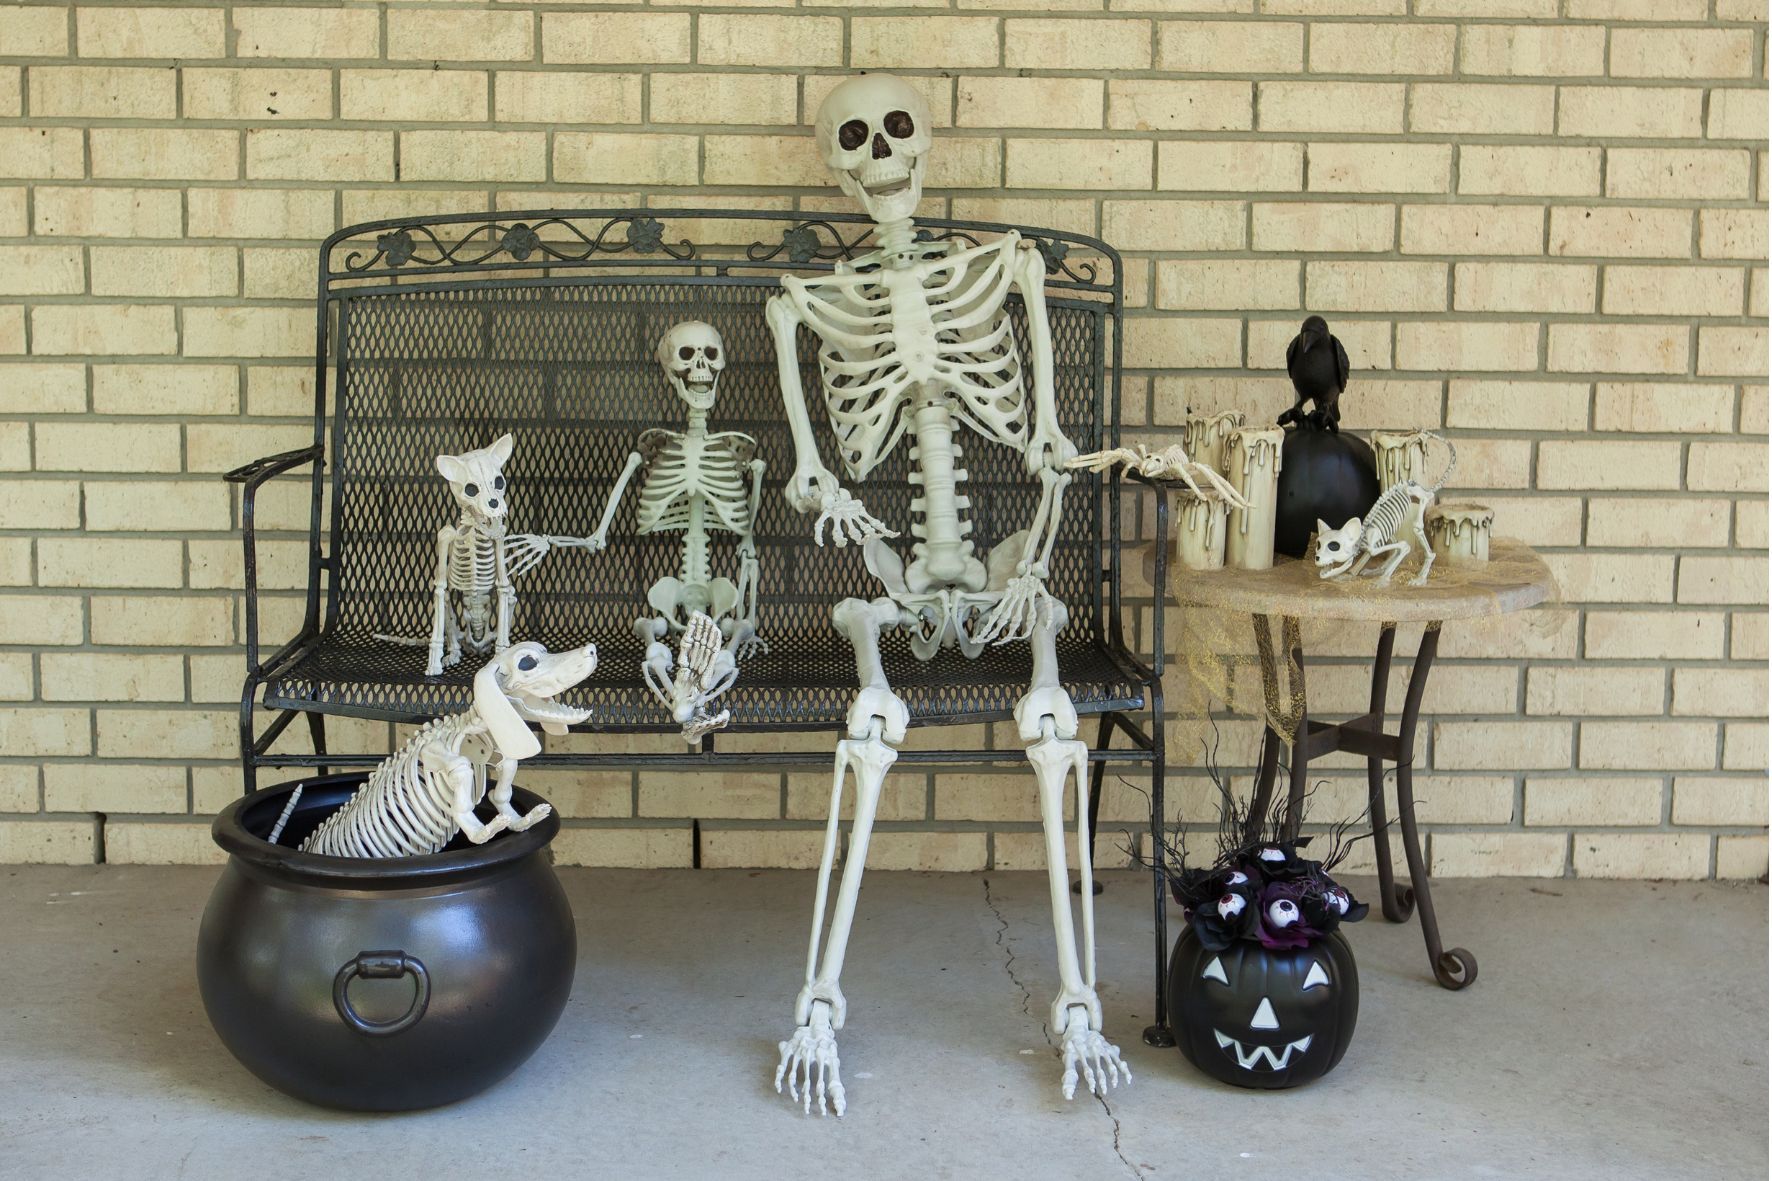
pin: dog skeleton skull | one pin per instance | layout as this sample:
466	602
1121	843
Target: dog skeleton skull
914	339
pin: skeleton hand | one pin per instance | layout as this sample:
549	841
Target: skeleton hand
809	1063
1017	613
524	552
849	520
808	487
1049	448
1094	1055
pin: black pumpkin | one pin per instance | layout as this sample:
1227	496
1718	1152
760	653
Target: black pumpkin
1323	473
1254	1016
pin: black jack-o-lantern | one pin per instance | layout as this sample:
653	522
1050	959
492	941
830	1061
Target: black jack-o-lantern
1255	1016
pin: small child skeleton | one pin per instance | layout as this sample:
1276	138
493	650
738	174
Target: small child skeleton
1347	550
422	794
477	561
695	482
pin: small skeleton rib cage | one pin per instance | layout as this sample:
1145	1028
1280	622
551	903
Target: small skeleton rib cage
695	483
477	561
915	338
419	797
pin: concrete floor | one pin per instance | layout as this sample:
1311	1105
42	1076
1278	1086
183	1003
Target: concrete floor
1619	1030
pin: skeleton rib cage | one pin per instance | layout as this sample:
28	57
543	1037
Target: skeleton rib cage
564	362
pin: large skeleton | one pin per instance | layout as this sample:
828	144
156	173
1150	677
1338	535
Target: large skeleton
425	792
915	338
695	482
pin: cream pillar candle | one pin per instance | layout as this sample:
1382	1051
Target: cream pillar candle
1199	531
1401	455
1460	532
1252	458
1204	439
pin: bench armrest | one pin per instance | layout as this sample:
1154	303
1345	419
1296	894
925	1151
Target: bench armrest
250	476
259	470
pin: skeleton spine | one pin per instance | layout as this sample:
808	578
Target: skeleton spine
403	810
942	530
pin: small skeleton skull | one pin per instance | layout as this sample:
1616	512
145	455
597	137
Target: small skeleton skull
873	132
692	356
476	479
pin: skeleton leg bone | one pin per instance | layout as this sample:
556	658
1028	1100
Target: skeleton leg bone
1047	721
809	1063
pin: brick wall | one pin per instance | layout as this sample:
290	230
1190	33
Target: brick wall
1539	224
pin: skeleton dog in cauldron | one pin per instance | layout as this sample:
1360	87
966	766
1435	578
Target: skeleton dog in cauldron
915	337
416	800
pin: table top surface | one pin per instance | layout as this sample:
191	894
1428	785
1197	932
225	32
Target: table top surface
1514	578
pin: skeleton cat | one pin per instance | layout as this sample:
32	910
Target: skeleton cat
1403	506
477	560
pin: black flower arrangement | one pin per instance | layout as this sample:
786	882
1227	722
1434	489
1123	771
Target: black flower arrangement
1260	885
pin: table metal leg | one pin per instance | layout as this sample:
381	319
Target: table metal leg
1398	904
1454	968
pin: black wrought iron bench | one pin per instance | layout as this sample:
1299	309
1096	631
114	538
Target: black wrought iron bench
438	334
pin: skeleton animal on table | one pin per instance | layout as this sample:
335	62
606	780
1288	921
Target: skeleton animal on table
1170	463
1385	531
915	338
477	561
426	792
695	483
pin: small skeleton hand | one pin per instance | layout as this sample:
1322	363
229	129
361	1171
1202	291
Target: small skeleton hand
849	520
809	1064
1017	613
524	552
1097	1058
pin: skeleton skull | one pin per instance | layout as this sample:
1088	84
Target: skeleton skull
873	132
476	479
692	356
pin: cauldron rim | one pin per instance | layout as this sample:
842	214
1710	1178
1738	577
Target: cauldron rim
230	832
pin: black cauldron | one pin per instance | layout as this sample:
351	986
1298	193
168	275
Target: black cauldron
1269	1018
1328	474
382	984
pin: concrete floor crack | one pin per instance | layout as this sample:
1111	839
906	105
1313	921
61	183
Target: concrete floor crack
1130	1167
1027	997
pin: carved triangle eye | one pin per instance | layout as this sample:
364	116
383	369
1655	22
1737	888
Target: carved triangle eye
1316	977
1215	971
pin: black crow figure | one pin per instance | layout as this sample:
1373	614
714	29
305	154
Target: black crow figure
1317	364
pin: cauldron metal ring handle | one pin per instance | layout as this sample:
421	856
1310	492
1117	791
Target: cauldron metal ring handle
381	965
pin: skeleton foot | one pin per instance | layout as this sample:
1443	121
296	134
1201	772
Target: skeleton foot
1087	1052
518	822
809	1064
479	833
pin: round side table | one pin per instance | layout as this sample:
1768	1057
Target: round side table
1515	578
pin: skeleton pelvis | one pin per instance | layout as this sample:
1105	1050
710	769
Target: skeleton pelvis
677	600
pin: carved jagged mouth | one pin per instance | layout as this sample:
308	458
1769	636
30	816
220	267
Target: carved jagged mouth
1252	1057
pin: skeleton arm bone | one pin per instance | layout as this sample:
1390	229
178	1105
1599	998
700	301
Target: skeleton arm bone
1049	447
600	538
